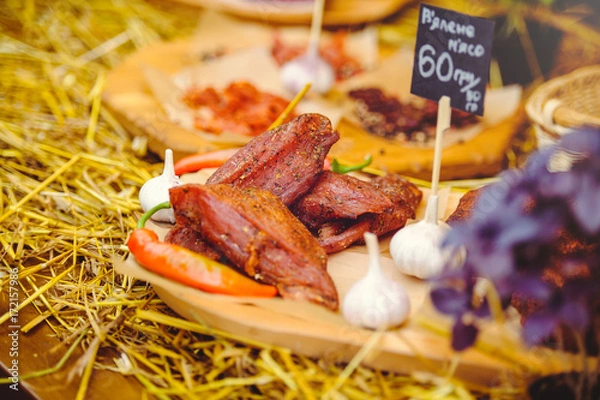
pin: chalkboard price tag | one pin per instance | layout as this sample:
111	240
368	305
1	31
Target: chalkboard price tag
452	57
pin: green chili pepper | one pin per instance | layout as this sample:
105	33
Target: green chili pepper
344	169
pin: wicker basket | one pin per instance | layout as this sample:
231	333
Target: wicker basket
564	103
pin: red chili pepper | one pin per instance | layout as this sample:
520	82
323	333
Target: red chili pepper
199	161
190	268
216	158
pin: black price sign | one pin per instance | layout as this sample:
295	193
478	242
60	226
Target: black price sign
452	57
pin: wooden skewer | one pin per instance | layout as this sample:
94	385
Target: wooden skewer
443	123
316	27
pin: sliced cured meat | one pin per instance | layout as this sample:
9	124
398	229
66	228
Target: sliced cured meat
336	196
260	235
240	107
191	239
411	120
285	161
335	236
405	197
399	189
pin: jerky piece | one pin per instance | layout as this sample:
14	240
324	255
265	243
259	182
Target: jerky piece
465	207
285	161
185	236
405	197
259	234
399	190
337	196
336	236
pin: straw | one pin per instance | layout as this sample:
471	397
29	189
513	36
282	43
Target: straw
70	179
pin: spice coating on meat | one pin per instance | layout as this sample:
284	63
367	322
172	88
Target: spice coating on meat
258	233
185	236
285	161
337	196
404	197
465	207
399	189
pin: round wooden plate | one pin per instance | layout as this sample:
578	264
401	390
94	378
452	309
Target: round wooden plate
314	331
337	12
129	98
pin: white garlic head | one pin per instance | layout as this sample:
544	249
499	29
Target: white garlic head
416	248
296	73
156	190
376	301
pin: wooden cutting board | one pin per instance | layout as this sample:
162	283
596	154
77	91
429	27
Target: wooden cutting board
482	156
337	12
129	98
314	331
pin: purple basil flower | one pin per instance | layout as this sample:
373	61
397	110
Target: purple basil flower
586	205
463	335
450	301
586	141
511	237
539	326
575	314
531	287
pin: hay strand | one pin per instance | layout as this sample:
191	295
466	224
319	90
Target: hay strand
69	183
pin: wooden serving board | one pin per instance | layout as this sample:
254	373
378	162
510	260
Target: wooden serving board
337	12
129	98
314	331
482	156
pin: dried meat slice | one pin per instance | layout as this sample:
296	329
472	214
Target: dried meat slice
399	189
337	196
334	236
285	161
337	235
185	236
259	235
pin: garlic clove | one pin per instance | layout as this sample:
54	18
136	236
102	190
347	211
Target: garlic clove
310	67
375	301
416	248
296	73
156	190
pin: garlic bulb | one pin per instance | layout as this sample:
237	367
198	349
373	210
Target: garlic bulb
375	301
156	190
296	73
310	67
416	248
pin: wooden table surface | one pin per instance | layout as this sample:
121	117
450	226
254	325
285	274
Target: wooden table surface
41	349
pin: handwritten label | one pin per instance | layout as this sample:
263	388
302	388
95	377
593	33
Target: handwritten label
452	57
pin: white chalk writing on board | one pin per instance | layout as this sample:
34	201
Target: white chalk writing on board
452	57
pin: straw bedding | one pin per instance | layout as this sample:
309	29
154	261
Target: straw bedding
70	177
